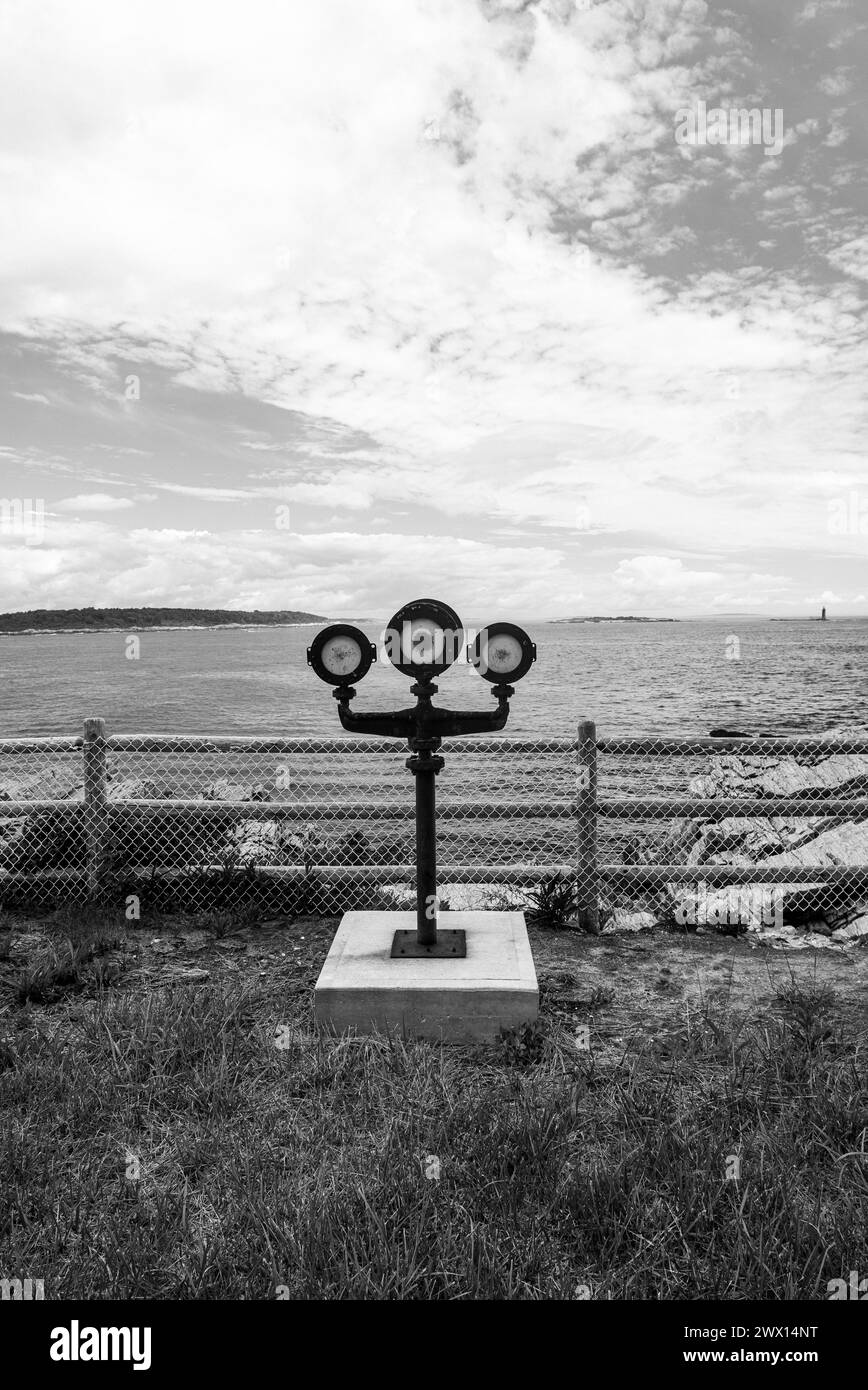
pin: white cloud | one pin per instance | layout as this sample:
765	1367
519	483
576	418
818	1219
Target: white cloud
402	219
852	257
335	573
661	574
93	502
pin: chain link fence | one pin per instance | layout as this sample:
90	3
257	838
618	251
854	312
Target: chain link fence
277	825
621	833
734	834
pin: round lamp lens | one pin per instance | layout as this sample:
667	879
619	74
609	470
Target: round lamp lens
502	652
424	638
425	642
341	654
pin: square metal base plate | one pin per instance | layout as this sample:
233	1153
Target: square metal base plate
450	944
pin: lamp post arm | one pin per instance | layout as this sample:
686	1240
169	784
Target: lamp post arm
423	720
400	723
451	722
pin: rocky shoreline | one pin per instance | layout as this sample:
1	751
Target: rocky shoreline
807	912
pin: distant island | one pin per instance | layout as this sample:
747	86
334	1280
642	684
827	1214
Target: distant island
616	620
813	619
109	619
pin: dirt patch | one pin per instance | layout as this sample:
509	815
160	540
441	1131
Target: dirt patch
629	987
624	988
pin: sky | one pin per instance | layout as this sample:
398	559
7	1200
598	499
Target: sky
330	306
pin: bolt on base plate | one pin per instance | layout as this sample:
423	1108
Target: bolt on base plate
450	943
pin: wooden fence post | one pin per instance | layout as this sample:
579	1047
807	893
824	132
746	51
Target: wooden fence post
95	803
586	803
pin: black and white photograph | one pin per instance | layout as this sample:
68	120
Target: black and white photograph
433	674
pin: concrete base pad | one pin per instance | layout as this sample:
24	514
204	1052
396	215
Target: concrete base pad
463	1000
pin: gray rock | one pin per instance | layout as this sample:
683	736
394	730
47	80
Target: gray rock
853	930
809	842
628	920
56	783
223	790
257	841
134	789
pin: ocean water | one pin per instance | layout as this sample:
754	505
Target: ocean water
761	677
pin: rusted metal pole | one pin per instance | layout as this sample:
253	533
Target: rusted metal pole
586	799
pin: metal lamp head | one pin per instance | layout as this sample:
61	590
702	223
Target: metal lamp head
424	638
502	653
341	654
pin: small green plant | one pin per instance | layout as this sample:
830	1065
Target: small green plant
522	1046
105	972
664	909
553	903
221	923
68	966
59	968
307	846
87	922
601	997
807	1010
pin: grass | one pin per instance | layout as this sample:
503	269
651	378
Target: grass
69	959
201	1141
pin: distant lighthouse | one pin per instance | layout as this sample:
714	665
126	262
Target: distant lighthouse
823	616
